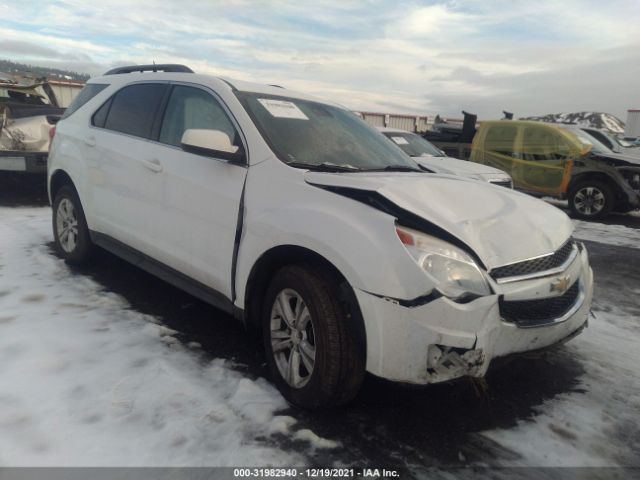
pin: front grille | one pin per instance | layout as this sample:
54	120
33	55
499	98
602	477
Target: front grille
535	265
532	313
505	183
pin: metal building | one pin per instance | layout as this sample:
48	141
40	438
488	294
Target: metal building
411	123
632	127
65	90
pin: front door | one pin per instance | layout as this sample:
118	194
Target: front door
545	163
199	196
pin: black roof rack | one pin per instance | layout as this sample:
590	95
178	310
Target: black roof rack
150	68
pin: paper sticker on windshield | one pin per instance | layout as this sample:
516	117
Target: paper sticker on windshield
282	109
400	140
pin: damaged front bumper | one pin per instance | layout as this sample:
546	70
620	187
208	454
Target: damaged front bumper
630	188
441	340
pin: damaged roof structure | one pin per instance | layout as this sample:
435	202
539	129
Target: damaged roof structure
29	108
27	113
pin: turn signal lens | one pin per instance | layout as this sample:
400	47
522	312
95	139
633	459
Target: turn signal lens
405	237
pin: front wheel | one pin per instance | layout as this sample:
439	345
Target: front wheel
70	230
312	355
591	200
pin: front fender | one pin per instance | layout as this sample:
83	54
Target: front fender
359	241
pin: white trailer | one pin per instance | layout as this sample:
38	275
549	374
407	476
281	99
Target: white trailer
632	127
65	90
410	123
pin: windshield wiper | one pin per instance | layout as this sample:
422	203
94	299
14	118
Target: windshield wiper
323	167
394	168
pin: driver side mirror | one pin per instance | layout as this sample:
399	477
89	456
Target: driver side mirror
211	143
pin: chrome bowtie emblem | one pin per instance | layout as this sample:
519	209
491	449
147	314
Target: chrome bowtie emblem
560	284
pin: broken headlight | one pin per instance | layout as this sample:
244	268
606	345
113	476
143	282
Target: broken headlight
454	272
632	176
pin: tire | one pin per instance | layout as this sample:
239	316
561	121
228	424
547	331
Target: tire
337	366
591	199
70	231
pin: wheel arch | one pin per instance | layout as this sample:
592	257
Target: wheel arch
277	257
58	179
618	193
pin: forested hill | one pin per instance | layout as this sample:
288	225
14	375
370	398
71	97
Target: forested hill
7	66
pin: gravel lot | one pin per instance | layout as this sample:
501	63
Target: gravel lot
107	365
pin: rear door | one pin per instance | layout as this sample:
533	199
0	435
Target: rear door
199	196
121	177
499	147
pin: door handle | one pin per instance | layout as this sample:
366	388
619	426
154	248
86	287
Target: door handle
90	141
153	164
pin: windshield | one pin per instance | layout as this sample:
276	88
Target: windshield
307	134
597	145
414	145
620	141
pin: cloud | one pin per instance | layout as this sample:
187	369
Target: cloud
425	23
574	87
415	57
22	48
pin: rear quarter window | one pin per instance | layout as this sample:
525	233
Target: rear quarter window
100	117
87	93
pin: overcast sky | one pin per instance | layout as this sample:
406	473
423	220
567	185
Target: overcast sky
483	56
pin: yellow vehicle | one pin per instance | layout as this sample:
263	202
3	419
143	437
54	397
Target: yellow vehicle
553	160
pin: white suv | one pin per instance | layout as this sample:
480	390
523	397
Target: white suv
297	217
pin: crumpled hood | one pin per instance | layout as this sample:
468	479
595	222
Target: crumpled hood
632	160
453	166
502	226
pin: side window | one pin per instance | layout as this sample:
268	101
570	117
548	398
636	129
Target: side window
539	144
191	107
500	139
133	109
87	93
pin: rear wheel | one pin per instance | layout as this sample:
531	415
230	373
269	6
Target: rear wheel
312	355
591	199
70	230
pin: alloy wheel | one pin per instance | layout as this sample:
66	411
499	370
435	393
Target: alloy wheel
589	200
67	225
292	338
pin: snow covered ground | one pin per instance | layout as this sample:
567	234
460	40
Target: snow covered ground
596	424
618	235
609	233
87	381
